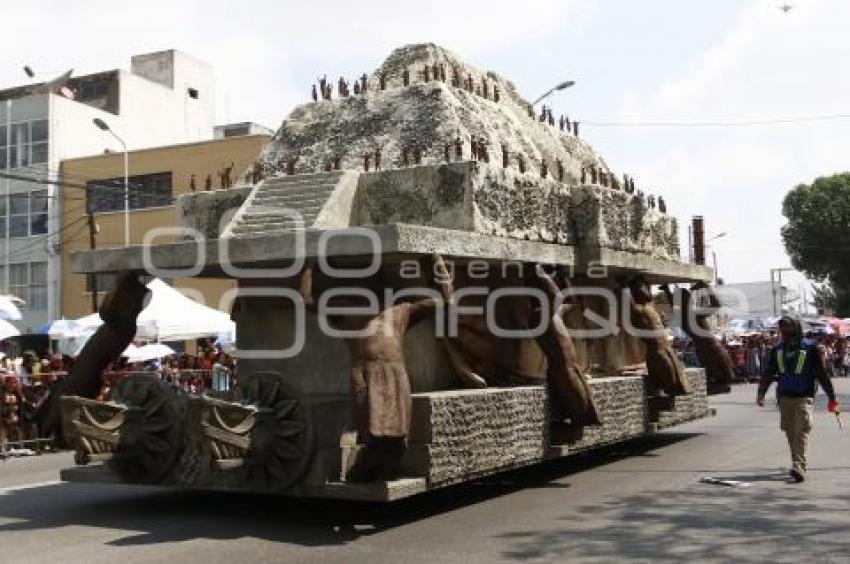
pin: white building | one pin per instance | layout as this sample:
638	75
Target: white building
241	129
167	98
757	300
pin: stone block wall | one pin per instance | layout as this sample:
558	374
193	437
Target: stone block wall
436	196
203	211
621	403
613	219
690	407
522	206
462	435
471	433
491	200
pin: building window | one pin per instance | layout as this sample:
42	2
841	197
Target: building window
28	281
23	144
236	131
93	88
193	93
26	214
146	191
38	212
19	215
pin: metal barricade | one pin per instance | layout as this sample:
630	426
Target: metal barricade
190	380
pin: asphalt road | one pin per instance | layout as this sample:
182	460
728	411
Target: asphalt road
637	502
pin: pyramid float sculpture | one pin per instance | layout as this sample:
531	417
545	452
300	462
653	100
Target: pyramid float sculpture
396	246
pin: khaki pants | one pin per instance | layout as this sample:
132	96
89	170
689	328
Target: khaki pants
796	421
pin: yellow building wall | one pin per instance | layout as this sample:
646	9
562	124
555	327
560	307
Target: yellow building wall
183	161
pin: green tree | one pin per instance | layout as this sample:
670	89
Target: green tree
817	235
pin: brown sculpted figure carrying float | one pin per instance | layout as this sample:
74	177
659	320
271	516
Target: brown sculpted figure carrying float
664	370
481	358
118	311
379	380
712	355
381	388
569	393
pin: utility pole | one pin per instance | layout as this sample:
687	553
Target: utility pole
8	192
716	276
778	273
93	246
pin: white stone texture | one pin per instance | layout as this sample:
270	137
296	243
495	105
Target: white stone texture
427	115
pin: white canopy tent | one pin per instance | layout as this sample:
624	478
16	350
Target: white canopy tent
61	327
9	308
7	330
169	316
147	352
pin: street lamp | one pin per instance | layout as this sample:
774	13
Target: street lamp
561	86
103	126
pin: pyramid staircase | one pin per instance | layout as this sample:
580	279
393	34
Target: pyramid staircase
275	205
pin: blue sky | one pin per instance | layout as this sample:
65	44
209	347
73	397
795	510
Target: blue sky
633	61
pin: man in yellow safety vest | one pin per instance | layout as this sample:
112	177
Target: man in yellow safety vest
796	365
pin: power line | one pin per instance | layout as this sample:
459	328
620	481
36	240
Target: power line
86	180
135	189
46	180
42	238
720	123
33	180
116	185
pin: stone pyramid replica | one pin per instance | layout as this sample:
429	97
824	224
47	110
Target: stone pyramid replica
440	143
427	115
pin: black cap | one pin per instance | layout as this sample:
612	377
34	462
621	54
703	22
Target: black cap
793	323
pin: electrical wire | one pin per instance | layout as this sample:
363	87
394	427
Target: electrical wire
720	123
115	185
34	180
46	181
41	239
85	180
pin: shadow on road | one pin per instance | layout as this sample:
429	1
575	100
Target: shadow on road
154	515
781	523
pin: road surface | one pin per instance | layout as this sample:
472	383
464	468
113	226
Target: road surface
638	502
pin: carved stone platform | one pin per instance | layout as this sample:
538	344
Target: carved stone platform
461	435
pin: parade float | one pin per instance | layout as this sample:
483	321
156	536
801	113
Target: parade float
437	281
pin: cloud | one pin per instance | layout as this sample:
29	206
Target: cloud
768	65
258	48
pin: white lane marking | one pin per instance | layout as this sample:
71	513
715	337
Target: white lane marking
12	489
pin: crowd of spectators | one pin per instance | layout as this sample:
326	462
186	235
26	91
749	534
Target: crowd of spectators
25	379
750	353
211	369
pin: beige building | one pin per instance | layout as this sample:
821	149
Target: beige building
157	177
